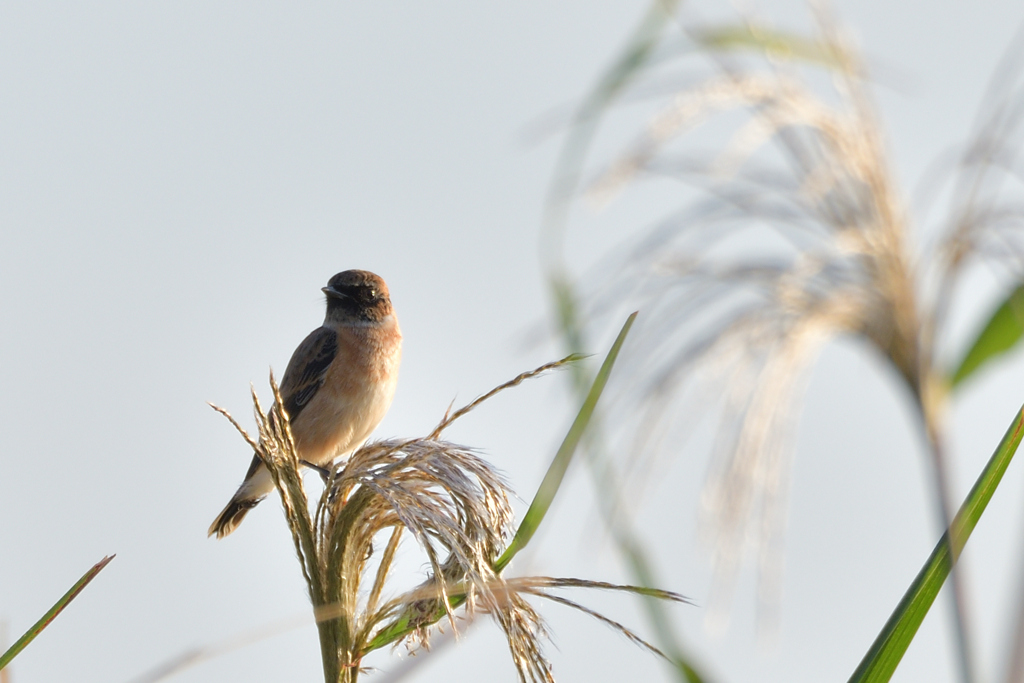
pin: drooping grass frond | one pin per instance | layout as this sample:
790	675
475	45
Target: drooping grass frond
540	586
754	321
793	232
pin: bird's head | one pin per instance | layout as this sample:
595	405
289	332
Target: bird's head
357	295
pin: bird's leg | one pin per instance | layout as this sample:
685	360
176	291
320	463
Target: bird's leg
324	472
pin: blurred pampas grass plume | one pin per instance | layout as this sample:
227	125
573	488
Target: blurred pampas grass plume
793	232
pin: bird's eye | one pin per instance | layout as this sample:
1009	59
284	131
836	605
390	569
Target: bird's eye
373	293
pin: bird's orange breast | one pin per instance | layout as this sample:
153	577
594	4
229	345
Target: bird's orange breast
355	395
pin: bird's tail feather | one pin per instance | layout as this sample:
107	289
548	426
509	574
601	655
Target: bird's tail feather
231	516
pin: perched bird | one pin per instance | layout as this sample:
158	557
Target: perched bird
337	387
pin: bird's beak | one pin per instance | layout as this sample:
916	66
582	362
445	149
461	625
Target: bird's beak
332	292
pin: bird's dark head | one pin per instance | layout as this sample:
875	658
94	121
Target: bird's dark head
357	295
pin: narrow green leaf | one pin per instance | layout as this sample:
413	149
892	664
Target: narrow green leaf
606	482
37	628
886	652
1001	333
778	44
404	625
556	471
612	82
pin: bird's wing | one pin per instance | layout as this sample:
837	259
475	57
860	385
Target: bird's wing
307	370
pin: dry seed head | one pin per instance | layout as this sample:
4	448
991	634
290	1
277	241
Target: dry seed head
836	261
450	500
750	327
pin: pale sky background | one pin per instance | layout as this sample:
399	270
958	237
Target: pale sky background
178	180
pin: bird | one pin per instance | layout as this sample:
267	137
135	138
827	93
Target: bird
337	387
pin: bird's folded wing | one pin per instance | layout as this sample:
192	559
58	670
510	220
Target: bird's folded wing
307	370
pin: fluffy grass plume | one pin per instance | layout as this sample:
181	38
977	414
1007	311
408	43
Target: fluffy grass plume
793	232
456	507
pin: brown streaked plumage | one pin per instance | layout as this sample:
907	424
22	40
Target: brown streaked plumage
338	385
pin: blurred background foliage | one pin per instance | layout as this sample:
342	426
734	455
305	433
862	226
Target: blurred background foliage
792	231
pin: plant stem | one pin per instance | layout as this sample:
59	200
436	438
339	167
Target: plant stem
329	650
640	567
929	413
1015	660
610	509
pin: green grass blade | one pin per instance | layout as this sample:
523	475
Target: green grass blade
566	178
404	624
560	463
37	628
627	541
1002	332
778	44
886	652
640	567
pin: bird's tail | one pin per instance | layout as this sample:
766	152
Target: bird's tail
256	485
231	516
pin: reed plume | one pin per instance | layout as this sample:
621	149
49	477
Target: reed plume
793	232
456	507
